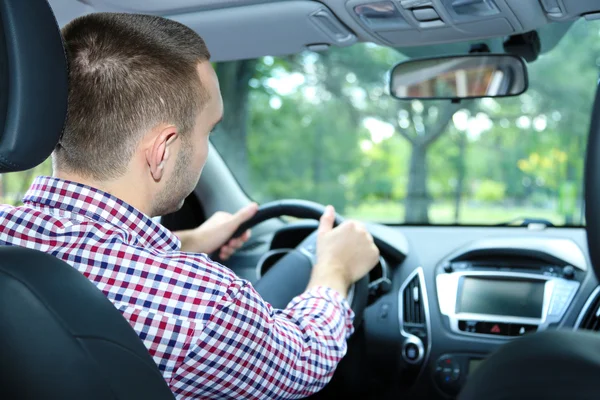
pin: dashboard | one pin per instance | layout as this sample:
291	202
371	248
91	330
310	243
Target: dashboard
443	298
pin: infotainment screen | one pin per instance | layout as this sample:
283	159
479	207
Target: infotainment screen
518	298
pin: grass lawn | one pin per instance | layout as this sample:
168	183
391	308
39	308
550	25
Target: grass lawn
443	213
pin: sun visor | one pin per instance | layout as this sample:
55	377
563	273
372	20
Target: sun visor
163	7
274	29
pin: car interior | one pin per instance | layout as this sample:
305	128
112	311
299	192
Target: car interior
443	298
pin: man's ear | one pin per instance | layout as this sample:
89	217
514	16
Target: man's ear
159	150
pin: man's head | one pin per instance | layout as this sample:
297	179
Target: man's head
143	99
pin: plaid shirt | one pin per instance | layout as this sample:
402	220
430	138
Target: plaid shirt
210	333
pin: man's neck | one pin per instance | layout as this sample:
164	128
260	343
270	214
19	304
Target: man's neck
126	189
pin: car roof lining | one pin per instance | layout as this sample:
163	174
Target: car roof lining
243	29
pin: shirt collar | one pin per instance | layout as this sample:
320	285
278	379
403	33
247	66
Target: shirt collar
100	206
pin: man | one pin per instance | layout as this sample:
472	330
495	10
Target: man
143	100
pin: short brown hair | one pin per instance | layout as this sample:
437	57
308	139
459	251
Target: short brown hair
128	73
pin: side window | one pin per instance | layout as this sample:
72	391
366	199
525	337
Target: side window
14	185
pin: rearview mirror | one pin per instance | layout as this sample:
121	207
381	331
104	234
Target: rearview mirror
459	77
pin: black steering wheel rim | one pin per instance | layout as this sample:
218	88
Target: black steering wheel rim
306	210
289	207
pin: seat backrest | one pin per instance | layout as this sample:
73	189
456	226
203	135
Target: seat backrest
60	337
33	84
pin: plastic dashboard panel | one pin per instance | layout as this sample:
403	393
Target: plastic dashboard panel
429	247
423	249
555	247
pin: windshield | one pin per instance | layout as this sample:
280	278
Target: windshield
322	127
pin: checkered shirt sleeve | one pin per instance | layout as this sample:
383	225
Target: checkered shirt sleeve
248	350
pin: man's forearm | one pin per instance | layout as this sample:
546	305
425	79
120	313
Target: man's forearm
297	348
330	280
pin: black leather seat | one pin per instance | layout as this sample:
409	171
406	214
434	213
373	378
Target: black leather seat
60	338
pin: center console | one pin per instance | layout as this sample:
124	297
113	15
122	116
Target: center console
505	304
500	291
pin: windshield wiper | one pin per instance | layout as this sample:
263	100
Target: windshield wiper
526	221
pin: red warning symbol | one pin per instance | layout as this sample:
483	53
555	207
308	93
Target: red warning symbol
495	329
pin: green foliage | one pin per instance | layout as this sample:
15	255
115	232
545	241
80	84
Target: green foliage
321	126
14	185
316	143
490	191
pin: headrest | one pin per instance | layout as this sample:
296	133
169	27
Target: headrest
33	83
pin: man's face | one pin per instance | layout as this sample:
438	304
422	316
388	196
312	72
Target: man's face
192	149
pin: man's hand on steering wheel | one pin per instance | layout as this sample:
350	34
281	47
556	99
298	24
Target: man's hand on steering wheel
215	233
339	255
344	254
343	258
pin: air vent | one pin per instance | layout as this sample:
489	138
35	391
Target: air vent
590	318
414	318
413	308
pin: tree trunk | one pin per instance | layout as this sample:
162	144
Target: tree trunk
317	165
571	177
230	137
417	198
571	144
460	174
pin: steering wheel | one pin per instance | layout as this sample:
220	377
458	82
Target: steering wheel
289	276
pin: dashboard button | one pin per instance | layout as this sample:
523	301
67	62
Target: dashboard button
447	370
521	329
469	326
493	328
447	375
425	14
569	272
455	373
411	351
